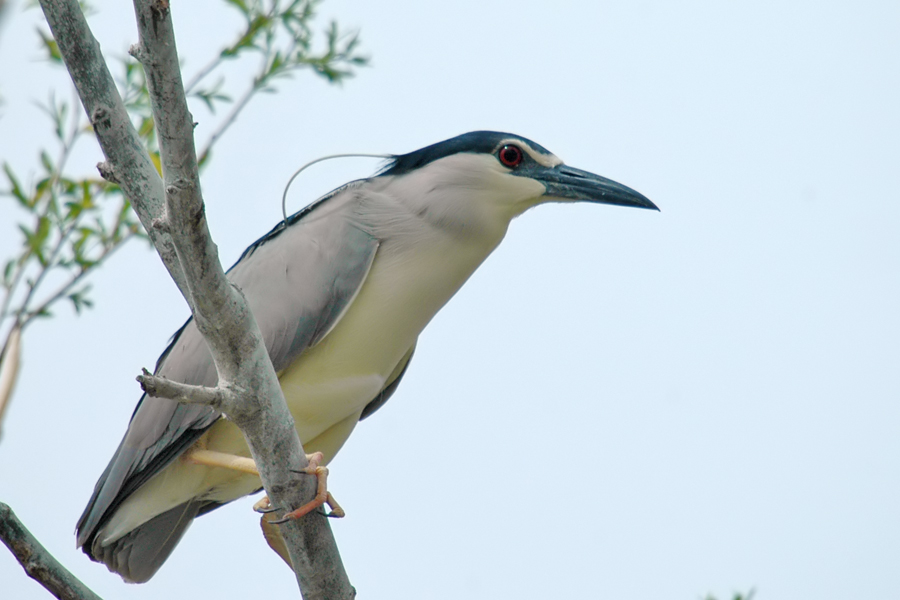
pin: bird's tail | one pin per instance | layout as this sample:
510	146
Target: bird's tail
137	555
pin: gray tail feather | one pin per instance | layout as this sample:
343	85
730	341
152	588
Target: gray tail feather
137	555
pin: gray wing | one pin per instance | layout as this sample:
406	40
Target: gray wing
390	386
298	281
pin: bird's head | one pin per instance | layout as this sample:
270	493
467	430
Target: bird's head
487	175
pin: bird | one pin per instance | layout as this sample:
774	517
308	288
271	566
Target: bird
341	291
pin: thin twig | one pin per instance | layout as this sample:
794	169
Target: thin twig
69	142
258	84
38	563
202	73
228	121
47	267
65	151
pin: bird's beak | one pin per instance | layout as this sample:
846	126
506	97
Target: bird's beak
568	183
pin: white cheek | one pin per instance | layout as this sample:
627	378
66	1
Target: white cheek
520	193
487	203
465	194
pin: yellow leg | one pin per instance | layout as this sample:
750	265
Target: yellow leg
211	458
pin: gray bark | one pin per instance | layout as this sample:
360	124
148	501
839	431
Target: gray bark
37	562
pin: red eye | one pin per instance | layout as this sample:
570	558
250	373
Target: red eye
510	155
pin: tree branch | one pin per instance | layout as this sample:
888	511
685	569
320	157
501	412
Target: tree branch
174	217
162	387
37	562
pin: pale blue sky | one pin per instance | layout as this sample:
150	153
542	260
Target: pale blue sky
619	404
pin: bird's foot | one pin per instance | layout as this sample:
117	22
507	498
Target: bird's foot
263	506
323	496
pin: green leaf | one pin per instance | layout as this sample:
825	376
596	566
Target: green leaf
79	299
87	194
8	273
78	247
240	5
47	162
34	240
147	127
16	190
43	313
41	188
51	47
68	186
212	95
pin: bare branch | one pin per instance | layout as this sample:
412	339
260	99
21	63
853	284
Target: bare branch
162	387
38	563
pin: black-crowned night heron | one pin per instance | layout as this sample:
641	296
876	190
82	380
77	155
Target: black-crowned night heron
341	291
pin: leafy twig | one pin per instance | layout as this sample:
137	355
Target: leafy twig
266	23
65	289
23	309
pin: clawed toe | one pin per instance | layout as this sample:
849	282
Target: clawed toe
323	496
